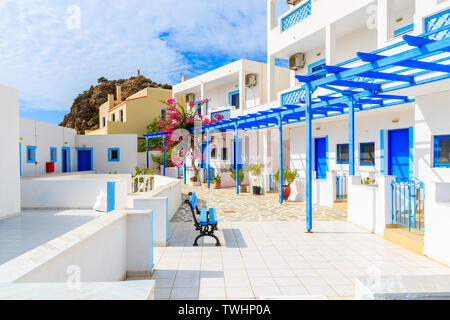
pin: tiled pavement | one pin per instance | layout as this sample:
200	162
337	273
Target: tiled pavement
266	259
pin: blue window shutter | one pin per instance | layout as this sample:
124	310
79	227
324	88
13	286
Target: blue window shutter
436	152
411	151
382	170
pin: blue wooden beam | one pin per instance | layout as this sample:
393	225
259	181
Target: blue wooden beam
280	160
390	97
309	150
374	74
419	41
351	137
355	84
208	159
148	158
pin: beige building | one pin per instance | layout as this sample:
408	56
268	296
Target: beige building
133	115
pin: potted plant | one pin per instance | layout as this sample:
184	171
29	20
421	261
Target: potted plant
217	181
241	179
255	175
195	182
288	178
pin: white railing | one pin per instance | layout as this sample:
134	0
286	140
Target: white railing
142	183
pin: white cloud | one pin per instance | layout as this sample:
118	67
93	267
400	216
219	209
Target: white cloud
50	64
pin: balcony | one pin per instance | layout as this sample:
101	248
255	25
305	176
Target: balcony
295	16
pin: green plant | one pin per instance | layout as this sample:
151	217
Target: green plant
255	171
140	183
368	181
216	178
241	176
288	176
159	159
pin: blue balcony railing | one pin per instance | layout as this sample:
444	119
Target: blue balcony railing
226	114
437	22
296	16
293	97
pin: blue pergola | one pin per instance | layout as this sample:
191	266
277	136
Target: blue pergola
356	89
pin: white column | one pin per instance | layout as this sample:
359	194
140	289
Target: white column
242	102
271	14
385	9
202	96
330	44
270	79
422	9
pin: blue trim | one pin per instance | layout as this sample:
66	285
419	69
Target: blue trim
184	172
337	153
92	155
361	145
56	154
230	98
109	154
403	30
164	156
411	152
315	64
309	160
235	156
382	153
351	138
29	160
20	158
436	162
152	264
111	196
68	159
280	161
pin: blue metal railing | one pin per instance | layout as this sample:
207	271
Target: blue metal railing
341	187
296	16
226	114
212	173
408	203
435	24
273	184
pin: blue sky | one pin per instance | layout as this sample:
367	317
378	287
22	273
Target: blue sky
50	60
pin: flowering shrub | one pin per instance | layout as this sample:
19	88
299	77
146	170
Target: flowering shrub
177	130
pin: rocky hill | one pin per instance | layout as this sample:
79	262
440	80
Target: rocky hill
83	114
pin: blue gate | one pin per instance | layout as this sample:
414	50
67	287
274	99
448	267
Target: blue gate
212	173
273	184
341	187
408	203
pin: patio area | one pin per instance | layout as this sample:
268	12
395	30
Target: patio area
265	253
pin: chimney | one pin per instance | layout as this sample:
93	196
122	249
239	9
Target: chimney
111	100
119	93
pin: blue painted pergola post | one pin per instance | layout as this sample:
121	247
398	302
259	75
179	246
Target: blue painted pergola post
351	137
148	159
164	156
208	159
308	128
184	171
280	160
235	155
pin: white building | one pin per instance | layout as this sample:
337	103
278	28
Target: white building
9	166
397	139
46	148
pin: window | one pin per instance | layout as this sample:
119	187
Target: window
114	154
317	67
233	98
442	151
103	122
53	152
113	117
342	154
224	154
367	154
121	115
31	154
214	153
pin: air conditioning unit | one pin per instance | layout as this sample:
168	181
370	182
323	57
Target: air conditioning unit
293	2
297	61
190	98
250	80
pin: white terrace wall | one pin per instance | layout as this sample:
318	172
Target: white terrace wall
107	249
101	143
44	136
9	161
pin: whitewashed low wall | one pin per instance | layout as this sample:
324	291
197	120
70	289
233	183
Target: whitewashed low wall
72	191
323	191
103	250
437	221
171	189
171	172
369	206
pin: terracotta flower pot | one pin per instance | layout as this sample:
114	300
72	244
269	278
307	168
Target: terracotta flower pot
217	185
286	192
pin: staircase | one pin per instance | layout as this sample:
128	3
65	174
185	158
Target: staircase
411	240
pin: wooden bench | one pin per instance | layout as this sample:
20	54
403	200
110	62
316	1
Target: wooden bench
207	221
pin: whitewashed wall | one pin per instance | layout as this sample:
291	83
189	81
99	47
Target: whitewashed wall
100	144
9	160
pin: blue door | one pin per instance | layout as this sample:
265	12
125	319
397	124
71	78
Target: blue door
236	156
204	155
84	160
320	159
64	160
398	158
